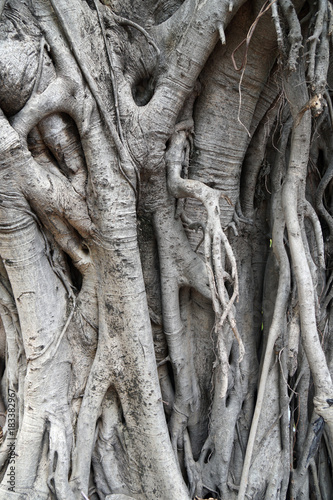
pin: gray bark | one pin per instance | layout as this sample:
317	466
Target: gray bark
165	249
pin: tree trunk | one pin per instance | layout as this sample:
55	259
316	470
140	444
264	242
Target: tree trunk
165	249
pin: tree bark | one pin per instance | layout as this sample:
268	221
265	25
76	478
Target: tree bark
165	249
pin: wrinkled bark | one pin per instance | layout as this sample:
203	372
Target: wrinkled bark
165	249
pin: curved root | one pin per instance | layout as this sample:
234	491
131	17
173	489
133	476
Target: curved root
217	246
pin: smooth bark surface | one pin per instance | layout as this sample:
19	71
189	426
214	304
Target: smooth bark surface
166	249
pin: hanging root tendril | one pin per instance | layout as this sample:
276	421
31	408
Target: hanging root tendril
217	249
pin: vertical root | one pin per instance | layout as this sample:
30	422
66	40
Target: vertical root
215	241
318	38
328	176
60	444
95	391
294	35
293	193
274	331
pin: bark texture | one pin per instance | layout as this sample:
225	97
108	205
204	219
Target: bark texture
166	249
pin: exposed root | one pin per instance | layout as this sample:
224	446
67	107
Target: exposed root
274	331
311	214
216	244
123	323
294	33
55	98
126	22
294	332
125	164
60	448
109	459
319	48
255	156
328	176
193	468
59	134
291	191
279	32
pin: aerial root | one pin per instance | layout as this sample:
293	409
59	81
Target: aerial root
280	309
278	29
11	325
239	217
193	226
294	332
310	213
224	364
315	430
328	176
192	468
294	35
217	249
318	41
122	21
293	196
59	459
55	98
126	165
321	61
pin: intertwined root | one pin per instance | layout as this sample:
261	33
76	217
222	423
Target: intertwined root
217	249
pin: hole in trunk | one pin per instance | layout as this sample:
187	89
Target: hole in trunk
143	91
75	275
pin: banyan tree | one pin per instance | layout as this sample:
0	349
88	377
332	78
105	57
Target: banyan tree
166	249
